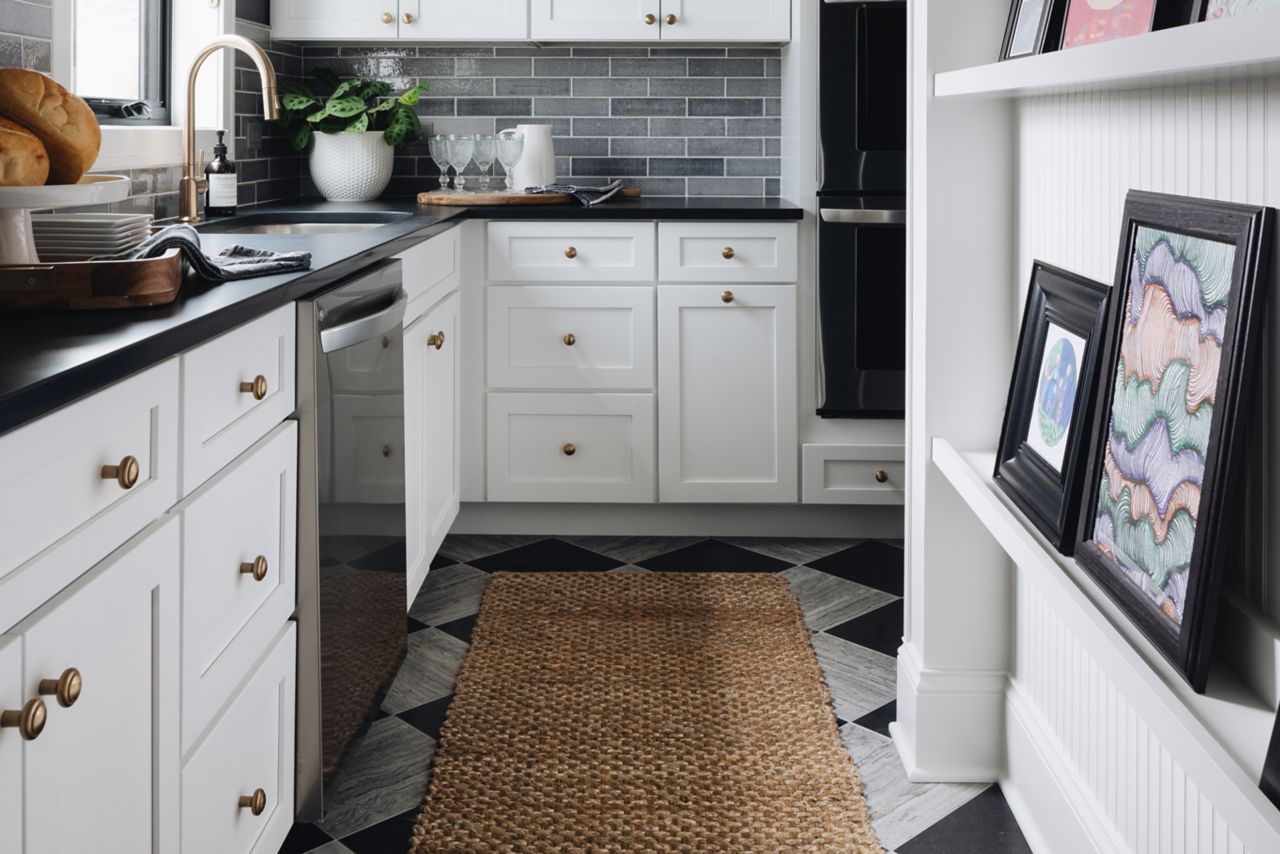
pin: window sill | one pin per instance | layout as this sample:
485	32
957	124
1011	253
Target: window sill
144	147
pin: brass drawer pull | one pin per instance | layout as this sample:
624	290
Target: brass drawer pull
257	388
651	19
29	720
126	474
436	340
882	476
671	19
570	340
726	297
66	688
388	18
728	253
258	568
255	803
571	252
408	18
570	449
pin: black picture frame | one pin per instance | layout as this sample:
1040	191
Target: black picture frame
1048	30
1049	497
1187	642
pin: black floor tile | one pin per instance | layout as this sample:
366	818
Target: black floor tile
872	563
442	560
549	555
879	720
386	559
985	825
303	838
714	556
386	837
429	717
415	626
460	629
880	629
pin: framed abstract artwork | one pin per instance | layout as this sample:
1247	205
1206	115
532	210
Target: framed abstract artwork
1214	9
1034	26
1051	400
1182	345
1091	21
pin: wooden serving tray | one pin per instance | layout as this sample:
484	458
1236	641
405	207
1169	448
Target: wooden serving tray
482	200
92	284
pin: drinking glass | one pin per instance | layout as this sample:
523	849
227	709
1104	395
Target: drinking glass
486	151
440	154
510	149
460	147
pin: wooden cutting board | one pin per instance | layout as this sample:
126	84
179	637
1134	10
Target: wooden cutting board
481	200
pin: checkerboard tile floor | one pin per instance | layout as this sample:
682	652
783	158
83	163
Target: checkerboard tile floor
851	593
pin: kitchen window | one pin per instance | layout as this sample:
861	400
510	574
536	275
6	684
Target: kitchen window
120	59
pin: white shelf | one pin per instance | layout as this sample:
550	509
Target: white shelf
1229	721
1248	45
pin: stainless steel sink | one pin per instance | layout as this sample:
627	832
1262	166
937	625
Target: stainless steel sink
304	222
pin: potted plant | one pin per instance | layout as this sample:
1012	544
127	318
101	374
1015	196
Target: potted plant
353	128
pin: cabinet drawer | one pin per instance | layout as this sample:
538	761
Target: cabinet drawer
854	474
246	514
222	414
727	252
431	270
250	748
571	337
571	447
571	252
53	480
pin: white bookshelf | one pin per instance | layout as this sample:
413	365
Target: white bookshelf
1246	46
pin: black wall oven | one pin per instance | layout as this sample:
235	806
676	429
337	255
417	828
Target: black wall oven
862	243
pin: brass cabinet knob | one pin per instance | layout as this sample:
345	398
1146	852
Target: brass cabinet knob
436	340
671	19
727	296
29	720
570	340
66	688
257	388
388	18
258	568
728	253
570	449
882	476
255	803
126	473
571	252
408	18
651	19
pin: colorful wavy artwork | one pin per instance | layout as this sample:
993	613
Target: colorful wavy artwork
1090	21
1162	411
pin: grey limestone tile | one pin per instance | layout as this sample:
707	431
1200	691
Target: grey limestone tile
755	51
36	54
428	672
560	126
449	593
452	51
753	87
664	67
582	146
860	680
828	601
495	107
383	776
532	50
772	187
608	167
715	146
571	106
773	147
709	52
773	68
473	86
726	67
613	127
688	127
647	147
462	124
726	107
611	86
659	186
649	106
686	166
377	50
726	187
532	86
685	87
900	809
507	67
795	551
773	106
754	127
610	52
26	19
554	67
437	107
468	547
767	167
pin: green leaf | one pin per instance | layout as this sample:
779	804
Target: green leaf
345	87
360	124
411	97
376	89
326	76
405	126
296	101
319	115
345	107
383	106
301	138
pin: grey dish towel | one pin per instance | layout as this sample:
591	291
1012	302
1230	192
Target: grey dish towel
234	262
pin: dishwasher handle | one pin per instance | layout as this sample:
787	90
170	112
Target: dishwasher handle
361	329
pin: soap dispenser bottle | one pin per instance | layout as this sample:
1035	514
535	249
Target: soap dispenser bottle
221	173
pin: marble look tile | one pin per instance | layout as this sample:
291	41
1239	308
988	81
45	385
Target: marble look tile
632	549
790	549
860	680
829	601
631	568
384	776
428	672
449	593
468	547
900	809
334	847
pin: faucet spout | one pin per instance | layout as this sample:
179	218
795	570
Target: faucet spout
193	181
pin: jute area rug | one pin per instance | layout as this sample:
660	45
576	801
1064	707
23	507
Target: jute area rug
642	713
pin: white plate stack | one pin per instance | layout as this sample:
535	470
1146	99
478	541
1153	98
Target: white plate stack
79	237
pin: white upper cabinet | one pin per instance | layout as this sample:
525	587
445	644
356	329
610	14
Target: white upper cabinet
420	20
595	20
328	19
726	20
668	20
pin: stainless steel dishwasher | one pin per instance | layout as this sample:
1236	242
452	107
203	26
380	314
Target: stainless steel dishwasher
351	518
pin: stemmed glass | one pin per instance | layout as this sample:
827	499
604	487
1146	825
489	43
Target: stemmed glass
510	150
460	147
486	151
440	154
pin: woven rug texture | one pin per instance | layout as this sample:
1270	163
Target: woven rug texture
645	712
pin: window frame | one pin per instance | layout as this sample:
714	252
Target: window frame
158	50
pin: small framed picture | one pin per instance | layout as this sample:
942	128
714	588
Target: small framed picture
1179	381
1034	26
1091	21
1051	399
1214	9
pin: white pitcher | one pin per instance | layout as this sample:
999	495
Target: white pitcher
537	166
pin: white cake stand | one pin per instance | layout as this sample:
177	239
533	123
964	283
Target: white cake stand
17	243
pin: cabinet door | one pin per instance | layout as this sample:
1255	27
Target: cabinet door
593	20
473	20
727	394
434	477
726	20
103	776
334	19
11	700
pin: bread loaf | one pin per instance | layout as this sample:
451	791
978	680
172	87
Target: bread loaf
63	122
23	159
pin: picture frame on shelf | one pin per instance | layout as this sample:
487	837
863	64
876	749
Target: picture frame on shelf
1212	10
1179	363
1090	21
1034	27
1039	461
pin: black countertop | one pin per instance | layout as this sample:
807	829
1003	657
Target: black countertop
51	358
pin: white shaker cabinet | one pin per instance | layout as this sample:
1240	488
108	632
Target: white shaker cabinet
420	20
666	20
727	426
595	20
726	20
323	19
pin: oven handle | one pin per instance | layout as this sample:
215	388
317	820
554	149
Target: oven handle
363	328
862	216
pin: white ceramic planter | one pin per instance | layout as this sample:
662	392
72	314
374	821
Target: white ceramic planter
351	167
